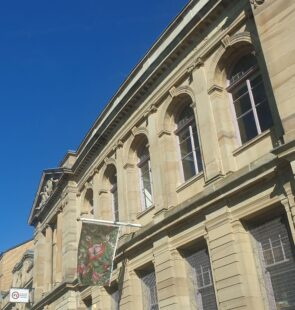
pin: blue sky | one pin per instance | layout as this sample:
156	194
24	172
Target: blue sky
60	63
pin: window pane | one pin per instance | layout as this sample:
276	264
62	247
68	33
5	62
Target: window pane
258	90
242	104
185	147
150	297
264	115
188	166
199	263
277	261
247	127
199	160
115	299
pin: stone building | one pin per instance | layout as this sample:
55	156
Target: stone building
15	270
198	146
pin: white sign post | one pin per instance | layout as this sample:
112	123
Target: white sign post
19	295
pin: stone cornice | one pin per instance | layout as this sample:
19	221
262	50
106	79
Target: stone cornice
54	294
215	193
173	52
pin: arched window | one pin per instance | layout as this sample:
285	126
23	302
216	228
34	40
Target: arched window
188	143
145	172
251	108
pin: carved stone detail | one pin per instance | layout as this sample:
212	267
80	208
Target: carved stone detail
47	191
226	41
256	3
197	63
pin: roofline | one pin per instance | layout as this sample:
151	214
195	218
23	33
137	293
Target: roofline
197	5
14	247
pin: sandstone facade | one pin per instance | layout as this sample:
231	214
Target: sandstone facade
197	146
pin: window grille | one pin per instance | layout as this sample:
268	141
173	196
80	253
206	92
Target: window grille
252	111
115	299
200	271
149	286
276	258
189	144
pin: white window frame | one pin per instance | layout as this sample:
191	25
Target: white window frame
245	78
142	187
188	125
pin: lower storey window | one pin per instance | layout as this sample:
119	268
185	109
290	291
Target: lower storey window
149	290
201	278
275	255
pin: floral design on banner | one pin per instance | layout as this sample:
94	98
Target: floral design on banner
97	246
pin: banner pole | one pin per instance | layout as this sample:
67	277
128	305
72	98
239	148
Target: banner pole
105	222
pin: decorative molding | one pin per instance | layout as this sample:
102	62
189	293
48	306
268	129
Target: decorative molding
226	41
128	165
172	92
164	132
151	109
102	191
197	63
215	88
119	144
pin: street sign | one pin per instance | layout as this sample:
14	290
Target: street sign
19	295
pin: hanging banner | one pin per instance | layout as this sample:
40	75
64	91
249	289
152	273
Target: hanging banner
97	247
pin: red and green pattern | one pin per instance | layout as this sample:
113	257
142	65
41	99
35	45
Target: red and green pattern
95	253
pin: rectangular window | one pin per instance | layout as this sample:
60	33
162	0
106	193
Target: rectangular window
199	270
149	291
88	303
275	255
115	298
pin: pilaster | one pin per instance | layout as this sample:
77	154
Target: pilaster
48	263
171	277
70	235
39	261
131	291
155	155
273	18
232	262
206	125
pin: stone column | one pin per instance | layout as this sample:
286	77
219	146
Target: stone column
275	21
159	198
121	184
171	277
131	291
131	190
206	125
70	234
59	256
48	262
223	120
232	262
38	270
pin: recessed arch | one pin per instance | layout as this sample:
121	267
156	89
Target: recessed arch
178	97
229	52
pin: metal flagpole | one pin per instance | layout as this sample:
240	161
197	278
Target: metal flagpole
105	222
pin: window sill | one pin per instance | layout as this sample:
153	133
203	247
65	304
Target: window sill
189	182
144	212
251	142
